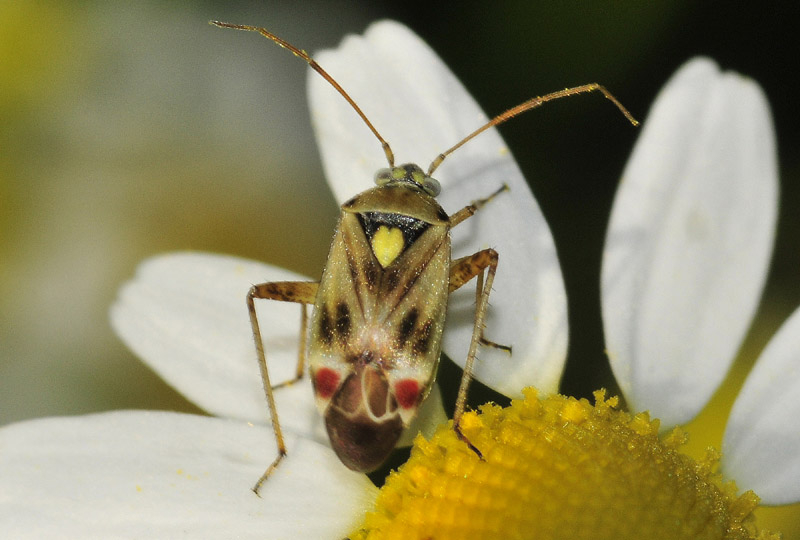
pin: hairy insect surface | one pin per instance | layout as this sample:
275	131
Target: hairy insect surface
373	341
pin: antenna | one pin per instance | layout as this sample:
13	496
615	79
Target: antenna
499	119
316	67
528	105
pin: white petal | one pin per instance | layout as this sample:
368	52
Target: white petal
761	447
185	315
165	475
421	109
689	240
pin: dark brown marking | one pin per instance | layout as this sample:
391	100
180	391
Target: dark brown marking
277	290
343	321
325	325
287	291
353	267
371	275
407	326
422	343
271	288
392	279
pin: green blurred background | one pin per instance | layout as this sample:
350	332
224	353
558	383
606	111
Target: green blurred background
130	129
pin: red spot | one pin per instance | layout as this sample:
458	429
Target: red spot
326	381
406	392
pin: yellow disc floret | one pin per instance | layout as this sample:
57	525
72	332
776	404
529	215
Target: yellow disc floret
558	468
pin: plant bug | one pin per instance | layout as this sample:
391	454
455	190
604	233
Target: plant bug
373	340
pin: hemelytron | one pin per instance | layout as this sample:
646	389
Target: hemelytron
373	340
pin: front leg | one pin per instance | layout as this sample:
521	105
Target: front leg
302	292
470	209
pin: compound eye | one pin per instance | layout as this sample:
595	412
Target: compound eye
383	177
431	186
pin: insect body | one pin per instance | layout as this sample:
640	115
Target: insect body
379	309
378	316
379	312
374	338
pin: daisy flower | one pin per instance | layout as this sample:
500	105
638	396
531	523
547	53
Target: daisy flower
685	262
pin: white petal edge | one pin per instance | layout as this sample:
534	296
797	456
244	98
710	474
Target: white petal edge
134	474
761	446
185	316
421	109
689	240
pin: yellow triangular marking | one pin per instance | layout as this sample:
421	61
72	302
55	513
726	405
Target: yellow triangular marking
387	244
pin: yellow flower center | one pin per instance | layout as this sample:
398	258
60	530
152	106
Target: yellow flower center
558	468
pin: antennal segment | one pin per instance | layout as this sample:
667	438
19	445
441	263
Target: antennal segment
316	67
528	105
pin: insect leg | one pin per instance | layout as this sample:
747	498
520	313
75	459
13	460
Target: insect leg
478	293
285	291
301	351
462	271
470	209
